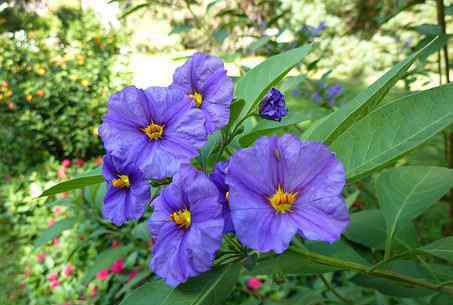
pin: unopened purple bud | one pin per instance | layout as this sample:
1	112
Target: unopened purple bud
273	106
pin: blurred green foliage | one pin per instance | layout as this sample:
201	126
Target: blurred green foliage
55	82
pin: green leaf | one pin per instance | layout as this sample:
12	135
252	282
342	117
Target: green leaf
211	288
339	121
55	230
406	192
259	43
181	28
394	129
255	84
105	260
393	288
73	184
442	248
265	127
137	279
441	299
368	228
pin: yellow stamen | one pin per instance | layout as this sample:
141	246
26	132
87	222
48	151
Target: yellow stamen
227	196
154	131
182	218
121	181
197	98
282	201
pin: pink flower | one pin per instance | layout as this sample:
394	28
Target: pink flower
98	160
22	285
56	242
118	266
115	243
103	274
66	163
51	222
57	211
41	257
68	270
254	283
132	274
52	277
27	273
93	291
80	162
54	284
61	173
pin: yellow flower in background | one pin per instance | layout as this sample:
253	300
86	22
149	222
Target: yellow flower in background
85	83
9	93
41	71
95	132
80	59
29	98
73	77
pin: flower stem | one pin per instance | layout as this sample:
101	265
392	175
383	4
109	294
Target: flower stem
352	266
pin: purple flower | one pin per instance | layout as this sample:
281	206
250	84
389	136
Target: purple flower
333	92
319	29
316	97
204	81
155	127
128	192
282	186
273	106
187	225
218	177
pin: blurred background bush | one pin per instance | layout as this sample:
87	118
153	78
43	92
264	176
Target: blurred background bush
61	60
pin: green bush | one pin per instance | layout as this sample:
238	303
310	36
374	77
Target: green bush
54	88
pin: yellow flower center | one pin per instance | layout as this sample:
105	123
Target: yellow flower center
197	98
154	131
282	201
227	196
121	181
182	218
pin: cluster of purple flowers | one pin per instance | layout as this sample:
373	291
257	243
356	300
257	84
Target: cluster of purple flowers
328	94
265	194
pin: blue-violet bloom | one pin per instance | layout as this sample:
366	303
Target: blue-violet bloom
281	187
273	106
155	127
187	226
218	177
128	192
204	81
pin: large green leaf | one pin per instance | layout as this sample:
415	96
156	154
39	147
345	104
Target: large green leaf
105	260
76	183
211	288
393	129
442	248
55	230
255	84
329	129
265	127
406	192
368	228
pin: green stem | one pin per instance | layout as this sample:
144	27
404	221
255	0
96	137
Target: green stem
390	275
332	289
386	260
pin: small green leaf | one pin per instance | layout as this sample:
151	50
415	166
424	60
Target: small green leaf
406	192
265	127
442	248
339	121
105	260
210	288
55	230
137	279
73	184
254	85
394	129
